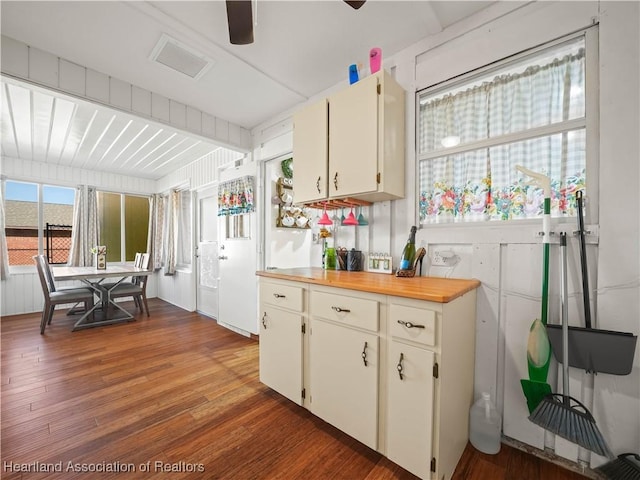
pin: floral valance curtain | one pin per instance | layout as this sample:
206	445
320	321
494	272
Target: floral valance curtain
235	197
482	183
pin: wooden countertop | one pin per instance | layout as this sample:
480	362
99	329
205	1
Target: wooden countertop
433	289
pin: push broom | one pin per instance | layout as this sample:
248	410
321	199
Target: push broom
560	413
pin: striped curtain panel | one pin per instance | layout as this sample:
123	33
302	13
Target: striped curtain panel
500	121
155	236
86	227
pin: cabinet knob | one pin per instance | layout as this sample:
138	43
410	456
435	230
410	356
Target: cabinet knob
399	366
264	320
409	324
364	354
335	181
318	184
338	309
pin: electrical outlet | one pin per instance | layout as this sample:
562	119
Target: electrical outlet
444	258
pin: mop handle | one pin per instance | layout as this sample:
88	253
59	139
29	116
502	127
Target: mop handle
583	259
565	317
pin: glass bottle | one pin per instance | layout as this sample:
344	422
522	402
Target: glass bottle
409	251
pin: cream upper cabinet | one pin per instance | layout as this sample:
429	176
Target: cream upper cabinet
310	153
352	144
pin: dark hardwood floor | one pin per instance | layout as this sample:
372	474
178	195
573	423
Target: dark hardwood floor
180	395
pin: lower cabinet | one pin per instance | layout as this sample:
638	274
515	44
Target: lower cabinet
410	388
281	352
395	373
343	370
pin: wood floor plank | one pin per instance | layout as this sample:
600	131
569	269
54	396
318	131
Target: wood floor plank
177	392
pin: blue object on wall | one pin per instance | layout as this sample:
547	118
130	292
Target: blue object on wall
353	74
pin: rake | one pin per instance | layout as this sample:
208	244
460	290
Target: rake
560	413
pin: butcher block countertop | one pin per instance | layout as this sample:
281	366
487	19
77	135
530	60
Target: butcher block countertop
432	289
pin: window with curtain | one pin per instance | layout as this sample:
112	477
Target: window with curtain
471	134
124	225
38	218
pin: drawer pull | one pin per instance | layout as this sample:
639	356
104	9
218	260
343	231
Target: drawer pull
335	181
264	322
364	354
409	324
277	295
338	309
399	366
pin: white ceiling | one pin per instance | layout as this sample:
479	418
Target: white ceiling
301	48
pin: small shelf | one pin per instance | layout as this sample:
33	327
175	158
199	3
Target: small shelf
335	203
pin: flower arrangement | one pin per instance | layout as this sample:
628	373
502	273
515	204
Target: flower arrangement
99	249
100	253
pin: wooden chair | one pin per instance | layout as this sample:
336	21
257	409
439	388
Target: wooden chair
137	288
52	297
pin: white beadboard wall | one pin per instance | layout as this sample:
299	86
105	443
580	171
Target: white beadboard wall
25	62
507	260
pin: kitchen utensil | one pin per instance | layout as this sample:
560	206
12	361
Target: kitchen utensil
354	260
538	348
302	221
351	219
361	219
591	349
342	258
288	221
325	220
342	217
560	413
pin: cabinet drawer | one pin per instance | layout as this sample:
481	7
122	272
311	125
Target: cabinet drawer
286	296
352	311
411	323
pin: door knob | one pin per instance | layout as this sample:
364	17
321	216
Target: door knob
223	257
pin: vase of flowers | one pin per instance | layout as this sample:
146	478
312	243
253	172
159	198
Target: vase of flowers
100	256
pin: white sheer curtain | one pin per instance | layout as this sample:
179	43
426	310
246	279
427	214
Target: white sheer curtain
155	236
86	228
171	230
4	252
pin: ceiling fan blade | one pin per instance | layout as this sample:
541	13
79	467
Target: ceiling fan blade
240	19
354	3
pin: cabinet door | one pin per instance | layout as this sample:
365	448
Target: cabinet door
410	408
281	352
310	150
344	391
353	134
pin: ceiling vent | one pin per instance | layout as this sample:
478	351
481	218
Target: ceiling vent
181	58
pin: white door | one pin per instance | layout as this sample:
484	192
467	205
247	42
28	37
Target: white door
237	235
207	255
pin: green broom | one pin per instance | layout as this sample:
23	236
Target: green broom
535	388
561	414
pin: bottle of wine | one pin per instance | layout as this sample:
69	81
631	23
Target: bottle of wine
409	251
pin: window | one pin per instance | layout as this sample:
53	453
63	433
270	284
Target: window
471	134
39	219
124	225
